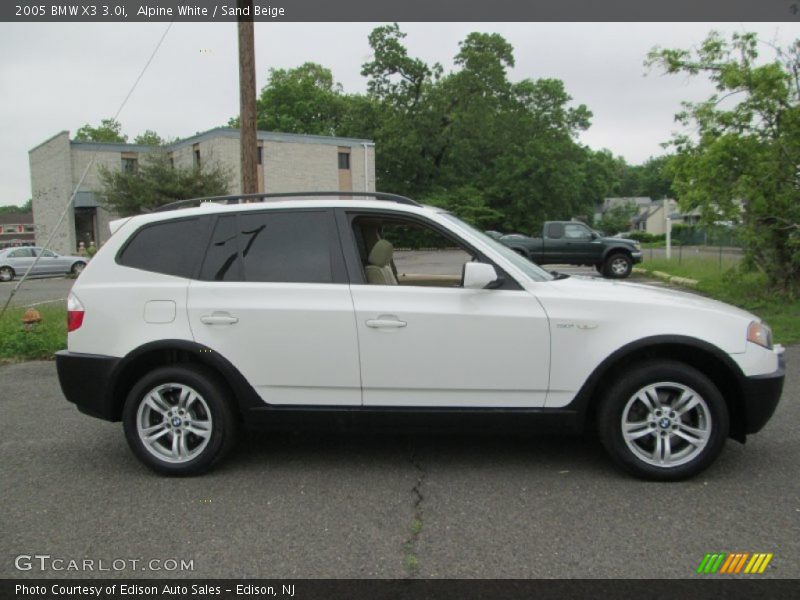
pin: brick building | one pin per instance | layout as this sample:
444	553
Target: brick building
16	229
286	163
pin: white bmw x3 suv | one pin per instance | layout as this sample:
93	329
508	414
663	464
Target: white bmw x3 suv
371	310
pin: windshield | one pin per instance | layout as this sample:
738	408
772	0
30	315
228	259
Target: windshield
533	271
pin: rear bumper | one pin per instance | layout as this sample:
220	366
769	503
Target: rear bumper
86	381
761	394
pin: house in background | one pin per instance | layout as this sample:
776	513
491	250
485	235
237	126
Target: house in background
649	214
16	229
286	163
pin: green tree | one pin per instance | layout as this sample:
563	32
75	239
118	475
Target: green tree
303	100
742	167
652	178
156	182
149	138
109	130
13	208
616	219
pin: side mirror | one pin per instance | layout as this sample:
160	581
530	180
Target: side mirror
478	276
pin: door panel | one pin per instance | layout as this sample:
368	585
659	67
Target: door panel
451	347
295	343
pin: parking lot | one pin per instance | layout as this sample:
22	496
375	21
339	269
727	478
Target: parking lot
392	506
339	506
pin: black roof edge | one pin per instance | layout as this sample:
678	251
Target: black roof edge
244	198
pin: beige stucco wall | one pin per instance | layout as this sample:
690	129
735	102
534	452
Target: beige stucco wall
51	186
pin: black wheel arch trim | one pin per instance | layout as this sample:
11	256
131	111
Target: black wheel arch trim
617	249
583	403
120	381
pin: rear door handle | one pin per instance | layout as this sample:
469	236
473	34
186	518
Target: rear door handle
386	322
219	318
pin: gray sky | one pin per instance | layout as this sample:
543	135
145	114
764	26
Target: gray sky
61	76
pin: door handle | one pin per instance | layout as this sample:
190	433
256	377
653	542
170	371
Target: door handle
386	322
219	318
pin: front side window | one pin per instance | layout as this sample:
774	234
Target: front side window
407	253
576	232
168	247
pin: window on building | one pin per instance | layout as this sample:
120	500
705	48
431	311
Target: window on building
197	158
129	165
28	228
260	155
169	247
344	161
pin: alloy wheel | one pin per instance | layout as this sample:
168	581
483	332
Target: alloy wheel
666	424
174	423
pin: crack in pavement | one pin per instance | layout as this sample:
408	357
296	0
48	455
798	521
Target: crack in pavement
415	529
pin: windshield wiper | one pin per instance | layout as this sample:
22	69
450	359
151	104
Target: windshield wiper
558	275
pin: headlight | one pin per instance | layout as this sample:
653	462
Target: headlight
760	334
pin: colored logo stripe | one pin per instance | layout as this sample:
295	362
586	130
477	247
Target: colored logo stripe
733	563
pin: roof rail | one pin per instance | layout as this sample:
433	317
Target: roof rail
243	198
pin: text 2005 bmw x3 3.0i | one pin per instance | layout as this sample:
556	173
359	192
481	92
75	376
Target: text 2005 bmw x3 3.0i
325	311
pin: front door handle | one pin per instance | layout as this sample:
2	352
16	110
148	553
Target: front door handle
219	318
386	322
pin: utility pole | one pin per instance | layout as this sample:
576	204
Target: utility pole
247	100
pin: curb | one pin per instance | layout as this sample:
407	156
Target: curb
684	281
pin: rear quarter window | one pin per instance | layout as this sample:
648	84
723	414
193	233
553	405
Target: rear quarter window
169	247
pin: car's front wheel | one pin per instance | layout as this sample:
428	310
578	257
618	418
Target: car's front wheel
618	266
178	420
663	420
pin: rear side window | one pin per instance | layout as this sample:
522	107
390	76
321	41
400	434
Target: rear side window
169	247
287	247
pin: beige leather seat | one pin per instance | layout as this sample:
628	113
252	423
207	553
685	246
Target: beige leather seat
379	269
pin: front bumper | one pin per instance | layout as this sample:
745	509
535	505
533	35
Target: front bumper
761	394
636	256
86	380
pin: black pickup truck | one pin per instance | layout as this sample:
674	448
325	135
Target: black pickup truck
573	243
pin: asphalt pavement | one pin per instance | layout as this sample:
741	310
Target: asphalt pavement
36	290
346	506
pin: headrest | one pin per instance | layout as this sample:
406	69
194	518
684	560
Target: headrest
381	253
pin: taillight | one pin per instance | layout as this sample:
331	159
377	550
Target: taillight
75	312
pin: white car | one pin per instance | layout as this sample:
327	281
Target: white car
193	321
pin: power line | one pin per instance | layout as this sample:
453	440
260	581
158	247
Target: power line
86	171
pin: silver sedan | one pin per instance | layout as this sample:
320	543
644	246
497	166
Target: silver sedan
15	262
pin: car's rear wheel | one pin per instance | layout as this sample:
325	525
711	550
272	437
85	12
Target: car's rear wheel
178	421
6	274
78	268
618	266
663	420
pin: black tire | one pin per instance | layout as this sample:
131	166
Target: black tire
623	394
77	268
214	397
7	274
618	266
